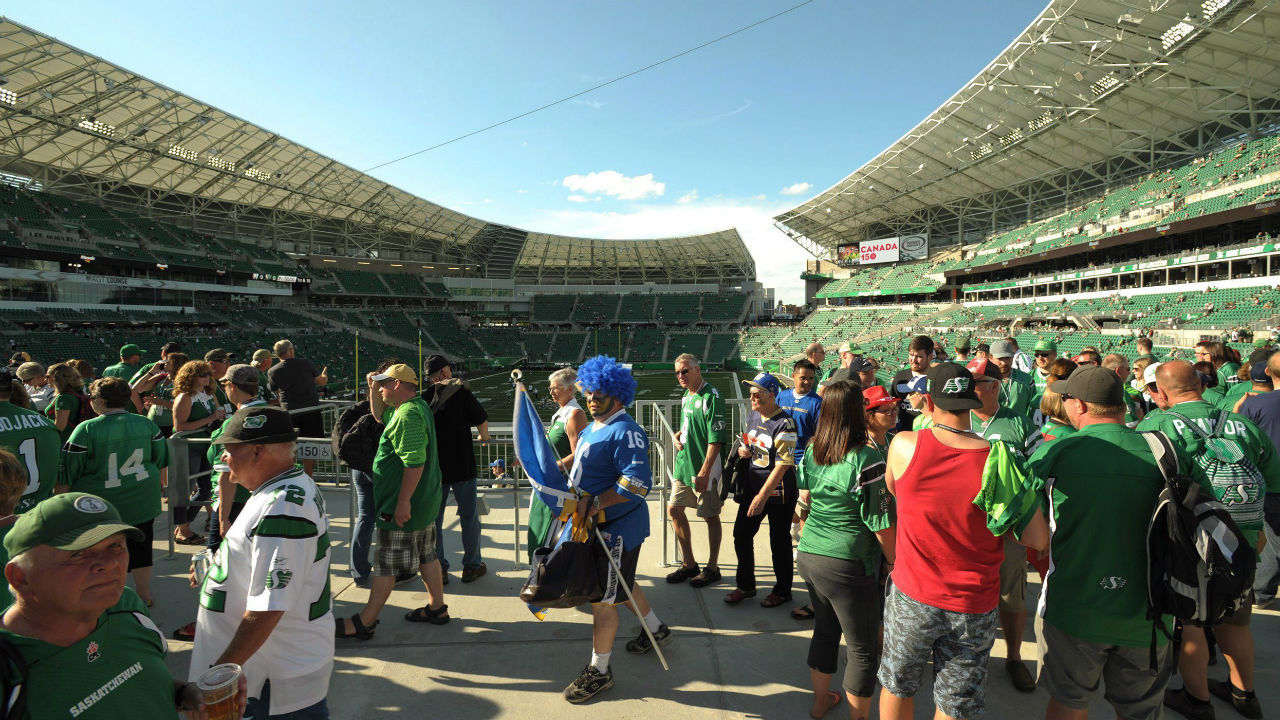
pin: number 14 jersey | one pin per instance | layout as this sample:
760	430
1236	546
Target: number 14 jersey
118	457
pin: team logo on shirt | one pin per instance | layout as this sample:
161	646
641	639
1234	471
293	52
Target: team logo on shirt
92	651
278	579
1112	582
90	504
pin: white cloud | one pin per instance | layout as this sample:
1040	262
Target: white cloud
615	184
486	201
580	198
688	197
797	189
593	104
760	198
522	191
779	260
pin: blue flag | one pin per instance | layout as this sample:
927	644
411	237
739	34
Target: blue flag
536	455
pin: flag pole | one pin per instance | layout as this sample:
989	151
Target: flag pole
653	642
357	366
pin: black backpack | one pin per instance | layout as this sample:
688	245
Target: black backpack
355	437
1200	567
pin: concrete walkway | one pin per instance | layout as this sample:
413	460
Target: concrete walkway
495	660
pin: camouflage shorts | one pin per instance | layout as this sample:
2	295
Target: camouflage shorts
959	644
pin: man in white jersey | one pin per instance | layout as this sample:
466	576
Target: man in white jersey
265	604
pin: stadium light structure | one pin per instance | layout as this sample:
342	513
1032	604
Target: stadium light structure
1214	8
1105	85
218	163
97	128
255	174
1176	35
8	97
183	154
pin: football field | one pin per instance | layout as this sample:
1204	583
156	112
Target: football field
494	391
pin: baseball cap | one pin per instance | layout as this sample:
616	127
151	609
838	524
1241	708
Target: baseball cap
855	347
1001	348
1262	342
1259	355
170	347
1046	346
983	367
1258	372
764	381
962	345
70	521
20	357
130	350
877	396
498	463
217	355
436	363
28	370
841	374
983	348
951	387
241	375
1092	384
1149	375
259	355
861	364
845	348
914	385
400	372
257	424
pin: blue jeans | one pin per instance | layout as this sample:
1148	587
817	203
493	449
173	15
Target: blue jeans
1268	577
362	533
257	708
465	495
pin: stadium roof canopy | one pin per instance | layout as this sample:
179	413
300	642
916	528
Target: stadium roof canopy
81	126
1091	94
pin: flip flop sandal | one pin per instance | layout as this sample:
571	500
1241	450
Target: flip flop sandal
189	540
427	615
802	613
738	596
361	632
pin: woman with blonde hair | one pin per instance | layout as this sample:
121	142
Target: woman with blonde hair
68	396
1056	423
196	412
87	373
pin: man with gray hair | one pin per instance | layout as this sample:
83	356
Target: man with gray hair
816	354
699	443
295	381
32	375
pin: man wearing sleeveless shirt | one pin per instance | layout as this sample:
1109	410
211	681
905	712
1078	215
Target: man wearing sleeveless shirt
949	549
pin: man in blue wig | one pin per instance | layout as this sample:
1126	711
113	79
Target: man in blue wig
611	465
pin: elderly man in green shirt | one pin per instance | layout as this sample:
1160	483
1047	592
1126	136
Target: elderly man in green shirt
1189	420
406	491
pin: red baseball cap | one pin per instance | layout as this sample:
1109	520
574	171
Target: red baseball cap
876	396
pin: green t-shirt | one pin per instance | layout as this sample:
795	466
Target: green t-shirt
1244	504
118	457
162	416
64	401
116	672
120	370
922	422
1038	384
407	441
1214	395
202	406
1014	430
701	424
1016	392
142	371
264	388
1096	589
1055	430
1228	374
849	502
1234	393
215	451
36	442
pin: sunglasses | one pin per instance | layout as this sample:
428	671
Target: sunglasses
886	410
1044	355
685	371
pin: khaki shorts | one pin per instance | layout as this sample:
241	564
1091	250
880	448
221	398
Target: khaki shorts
1071	670
1013	578
708	503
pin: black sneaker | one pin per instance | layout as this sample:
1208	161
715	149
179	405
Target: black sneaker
641	644
682	573
1246	706
1183	704
705	578
589	683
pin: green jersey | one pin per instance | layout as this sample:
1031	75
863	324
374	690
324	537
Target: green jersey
158	414
116	672
36	442
1016	392
202	406
407	442
557	432
1234	393
1014	430
1096	589
120	370
1228	374
118	457
922	422
1242	501
264	388
141	372
70	403
1039	382
849	503
701	424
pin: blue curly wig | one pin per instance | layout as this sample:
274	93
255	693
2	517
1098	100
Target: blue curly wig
604	374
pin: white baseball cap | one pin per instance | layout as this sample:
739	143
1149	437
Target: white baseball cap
1149	375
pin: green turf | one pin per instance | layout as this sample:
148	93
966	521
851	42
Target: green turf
494	391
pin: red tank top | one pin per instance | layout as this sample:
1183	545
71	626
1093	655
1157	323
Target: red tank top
946	556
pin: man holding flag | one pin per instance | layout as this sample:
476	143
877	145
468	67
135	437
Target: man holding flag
611	476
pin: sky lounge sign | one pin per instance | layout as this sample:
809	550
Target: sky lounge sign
878	251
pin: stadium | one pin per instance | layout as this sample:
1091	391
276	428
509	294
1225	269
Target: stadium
1114	172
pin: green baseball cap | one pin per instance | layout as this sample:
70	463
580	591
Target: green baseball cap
70	521
963	344
1262	342
130	350
1046	346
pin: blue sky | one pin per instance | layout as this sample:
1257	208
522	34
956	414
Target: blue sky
727	136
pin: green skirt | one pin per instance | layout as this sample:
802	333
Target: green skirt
540	520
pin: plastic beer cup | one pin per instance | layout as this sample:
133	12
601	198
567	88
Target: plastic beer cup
218	687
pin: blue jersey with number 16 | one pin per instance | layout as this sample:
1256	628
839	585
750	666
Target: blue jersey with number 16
615	456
